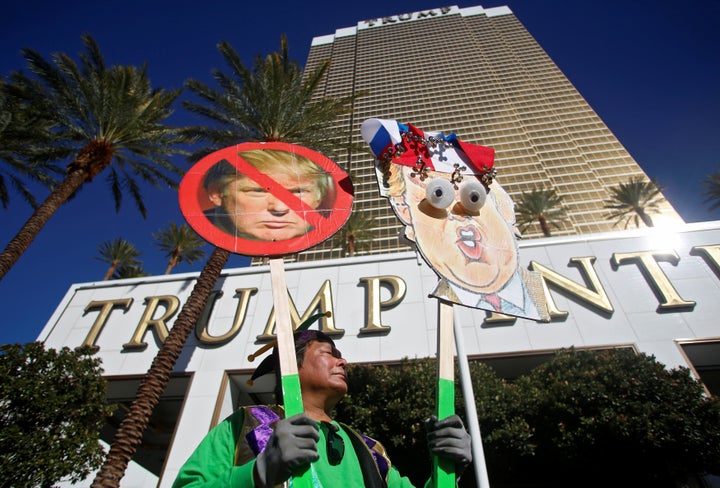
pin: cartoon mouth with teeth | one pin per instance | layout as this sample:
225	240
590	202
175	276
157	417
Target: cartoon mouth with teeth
470	243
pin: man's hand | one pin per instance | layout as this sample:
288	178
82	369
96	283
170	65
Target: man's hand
448	438
292	444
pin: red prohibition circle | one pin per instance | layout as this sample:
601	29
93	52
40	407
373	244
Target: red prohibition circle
196	204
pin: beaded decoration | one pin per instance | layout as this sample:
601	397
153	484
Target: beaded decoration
413	140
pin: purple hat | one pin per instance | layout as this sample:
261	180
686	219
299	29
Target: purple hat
302	337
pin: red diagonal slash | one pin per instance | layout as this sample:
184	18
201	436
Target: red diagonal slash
310	215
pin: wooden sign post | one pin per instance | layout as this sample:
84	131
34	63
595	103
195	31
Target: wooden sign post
226	198
444	468
292	396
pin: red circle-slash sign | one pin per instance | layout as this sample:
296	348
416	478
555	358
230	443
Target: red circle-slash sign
194	200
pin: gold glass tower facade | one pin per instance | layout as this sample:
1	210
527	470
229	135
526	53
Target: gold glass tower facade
479	73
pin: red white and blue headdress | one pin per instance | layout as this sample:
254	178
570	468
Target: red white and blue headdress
395	143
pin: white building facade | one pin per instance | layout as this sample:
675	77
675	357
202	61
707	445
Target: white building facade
654	290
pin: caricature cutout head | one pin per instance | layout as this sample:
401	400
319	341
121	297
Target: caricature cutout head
461	220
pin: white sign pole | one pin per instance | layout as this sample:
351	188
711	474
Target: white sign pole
470	410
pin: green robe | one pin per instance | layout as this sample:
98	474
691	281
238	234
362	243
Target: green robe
223	459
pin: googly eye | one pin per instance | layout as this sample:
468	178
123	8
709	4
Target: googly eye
440	193
472	196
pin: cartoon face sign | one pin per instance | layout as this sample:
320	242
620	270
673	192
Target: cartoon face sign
474	248
462	222
266	199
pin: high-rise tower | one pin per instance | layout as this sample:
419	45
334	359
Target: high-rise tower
479	73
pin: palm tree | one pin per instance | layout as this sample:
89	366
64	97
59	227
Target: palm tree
129	434
128	271
356	233
543	206
634	201
239	112
118	253
273	101
712	189
180	244
20	125
101	118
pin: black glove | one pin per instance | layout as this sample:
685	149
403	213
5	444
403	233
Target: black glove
448	438
293	443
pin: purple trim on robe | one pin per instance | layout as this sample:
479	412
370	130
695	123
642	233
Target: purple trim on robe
258	438
381	462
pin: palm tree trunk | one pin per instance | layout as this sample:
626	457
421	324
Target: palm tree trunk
351	245
544	226
110	271
647	220
129	434
172	262
37	220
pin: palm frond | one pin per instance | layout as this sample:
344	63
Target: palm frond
357	234
711	190
118	253
540	205
634	201
21	125
180	243
271	101
89	104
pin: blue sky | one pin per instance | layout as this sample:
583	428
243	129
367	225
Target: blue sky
649	68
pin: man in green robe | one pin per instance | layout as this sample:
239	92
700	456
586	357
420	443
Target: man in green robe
257	447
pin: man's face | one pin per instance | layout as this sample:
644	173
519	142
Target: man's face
323	370
260	214
475	250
